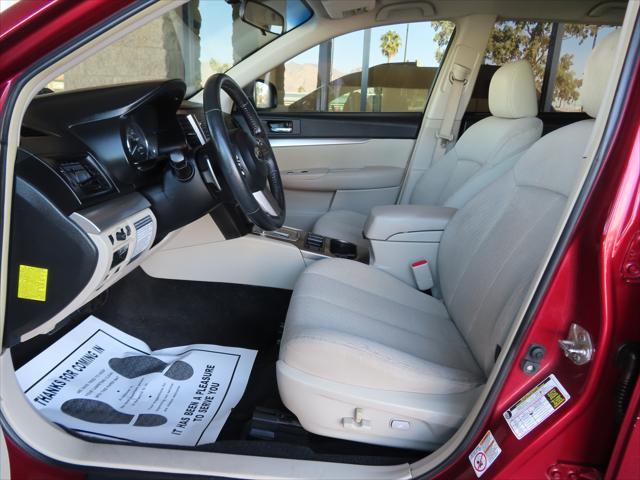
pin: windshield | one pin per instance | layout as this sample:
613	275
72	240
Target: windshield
192	42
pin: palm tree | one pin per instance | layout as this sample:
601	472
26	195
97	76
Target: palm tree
390	43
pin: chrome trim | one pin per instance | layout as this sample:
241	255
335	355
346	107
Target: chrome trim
311	142
264	203
196	128
280	129
578	346
214	179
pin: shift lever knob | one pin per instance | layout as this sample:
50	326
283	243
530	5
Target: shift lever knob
180	166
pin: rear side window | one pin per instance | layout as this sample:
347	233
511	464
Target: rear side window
511	41
557	53
574	44
381	69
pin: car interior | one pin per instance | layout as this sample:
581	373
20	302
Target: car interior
374	232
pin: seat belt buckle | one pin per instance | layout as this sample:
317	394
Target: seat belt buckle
422	275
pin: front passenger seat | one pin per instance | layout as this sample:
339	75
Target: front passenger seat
368	358
485	151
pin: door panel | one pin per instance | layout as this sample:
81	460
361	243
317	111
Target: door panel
310	154
321	174
363	200
342	125
305	207
333	179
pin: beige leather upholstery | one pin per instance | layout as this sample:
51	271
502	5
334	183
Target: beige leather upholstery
356	338
406	333
387	221
484	152
510	92
344	225
591	91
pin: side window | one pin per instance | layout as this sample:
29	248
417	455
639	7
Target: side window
574	44
511	41
381	69
557	53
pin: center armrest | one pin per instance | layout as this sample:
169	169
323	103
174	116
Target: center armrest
385	222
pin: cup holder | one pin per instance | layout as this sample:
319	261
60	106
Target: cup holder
341	249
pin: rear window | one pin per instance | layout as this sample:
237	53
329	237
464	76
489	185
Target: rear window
557	53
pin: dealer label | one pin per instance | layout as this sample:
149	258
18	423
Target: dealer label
484	454
536	406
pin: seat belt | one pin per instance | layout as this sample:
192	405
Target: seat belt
458	77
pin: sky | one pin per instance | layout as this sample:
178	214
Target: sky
4	4
581	52
215	31
347	49
347	52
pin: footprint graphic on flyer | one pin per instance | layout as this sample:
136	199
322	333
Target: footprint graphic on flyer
139	365
95	411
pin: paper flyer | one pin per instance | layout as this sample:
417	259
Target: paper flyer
100	382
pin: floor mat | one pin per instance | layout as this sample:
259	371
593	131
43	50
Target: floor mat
165	313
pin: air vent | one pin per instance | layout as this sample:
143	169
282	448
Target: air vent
199	115
84	178
195	130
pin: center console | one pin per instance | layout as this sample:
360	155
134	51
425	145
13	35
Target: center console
311	245
404	236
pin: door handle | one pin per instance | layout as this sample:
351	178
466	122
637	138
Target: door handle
280	127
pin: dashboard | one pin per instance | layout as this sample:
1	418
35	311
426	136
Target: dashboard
94	192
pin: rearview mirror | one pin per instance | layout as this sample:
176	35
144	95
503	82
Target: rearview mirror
263	17
264	95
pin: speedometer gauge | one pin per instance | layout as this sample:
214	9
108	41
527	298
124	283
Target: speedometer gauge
136	143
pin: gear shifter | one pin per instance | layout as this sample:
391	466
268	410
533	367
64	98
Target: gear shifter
181	167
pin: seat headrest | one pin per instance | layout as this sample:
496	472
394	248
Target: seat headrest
596	73
512	91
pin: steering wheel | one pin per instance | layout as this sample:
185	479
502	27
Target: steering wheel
245	155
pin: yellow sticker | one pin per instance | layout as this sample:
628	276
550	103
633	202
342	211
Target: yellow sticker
32	283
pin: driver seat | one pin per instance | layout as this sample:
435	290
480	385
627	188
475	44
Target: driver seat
365	357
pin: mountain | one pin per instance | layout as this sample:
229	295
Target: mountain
303	77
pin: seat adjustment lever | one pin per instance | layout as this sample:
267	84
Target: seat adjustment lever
357	421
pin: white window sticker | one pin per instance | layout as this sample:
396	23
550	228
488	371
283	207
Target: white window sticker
536	406
484	454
